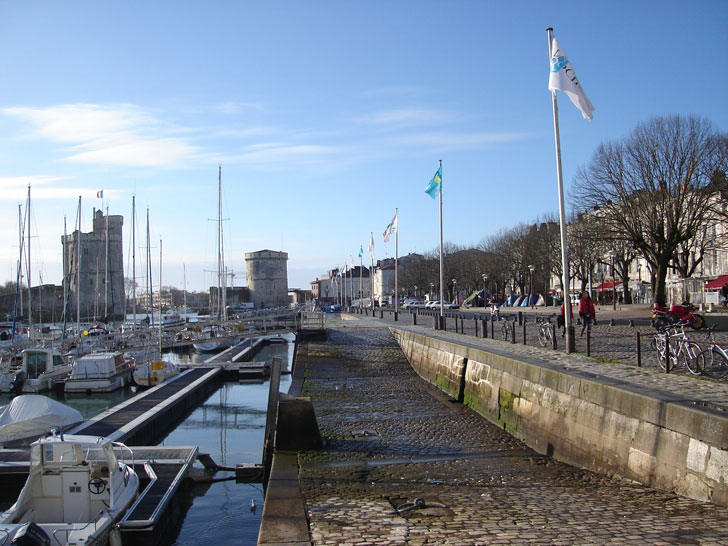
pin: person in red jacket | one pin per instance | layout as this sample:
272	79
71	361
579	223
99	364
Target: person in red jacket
586	311
561	321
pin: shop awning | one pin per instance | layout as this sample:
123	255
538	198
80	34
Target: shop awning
717	283
606	286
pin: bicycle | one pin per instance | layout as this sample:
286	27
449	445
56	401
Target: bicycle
506	330
546	333
715	358
682	350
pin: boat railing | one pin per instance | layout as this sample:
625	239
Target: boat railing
123	448
6	537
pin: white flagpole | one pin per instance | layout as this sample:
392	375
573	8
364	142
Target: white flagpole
361	272
371	272
442	273
562	219
396	259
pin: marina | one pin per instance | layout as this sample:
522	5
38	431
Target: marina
155	423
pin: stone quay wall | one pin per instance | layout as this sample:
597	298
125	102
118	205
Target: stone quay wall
589	421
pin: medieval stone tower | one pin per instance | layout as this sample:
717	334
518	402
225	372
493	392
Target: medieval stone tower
267	277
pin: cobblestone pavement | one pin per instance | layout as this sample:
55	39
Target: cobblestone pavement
392	438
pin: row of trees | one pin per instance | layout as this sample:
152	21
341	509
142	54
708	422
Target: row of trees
658	195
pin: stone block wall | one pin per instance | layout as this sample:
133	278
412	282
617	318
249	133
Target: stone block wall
583	419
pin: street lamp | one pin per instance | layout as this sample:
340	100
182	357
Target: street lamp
531	269
612	254
454	290
485	279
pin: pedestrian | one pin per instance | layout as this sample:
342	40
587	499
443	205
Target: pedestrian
587	312
561	321
724	295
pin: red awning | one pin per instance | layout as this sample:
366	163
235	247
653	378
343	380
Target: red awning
717	283
605	286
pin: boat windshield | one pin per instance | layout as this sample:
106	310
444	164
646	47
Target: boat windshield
35	364
55	453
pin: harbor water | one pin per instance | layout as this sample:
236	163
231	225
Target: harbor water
229	426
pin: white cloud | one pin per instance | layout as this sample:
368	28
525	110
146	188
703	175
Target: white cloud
459	141
275	153
399	117
115	135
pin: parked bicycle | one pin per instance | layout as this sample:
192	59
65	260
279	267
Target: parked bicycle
682	350
506	328
546	333
715	357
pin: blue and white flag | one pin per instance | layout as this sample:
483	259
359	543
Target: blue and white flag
435	185
361	251
563	77
391	228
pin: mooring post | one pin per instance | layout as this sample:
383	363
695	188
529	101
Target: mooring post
639	351
524	330
484	324
475	322
588	342
272	415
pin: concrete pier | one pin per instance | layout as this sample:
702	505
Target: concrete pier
392	438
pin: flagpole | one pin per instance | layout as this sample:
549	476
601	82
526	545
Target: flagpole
396	260
371	271
569	328
361	272
442	273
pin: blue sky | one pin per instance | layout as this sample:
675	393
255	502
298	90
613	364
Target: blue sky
324	115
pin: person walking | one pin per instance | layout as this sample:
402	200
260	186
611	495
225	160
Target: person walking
587	312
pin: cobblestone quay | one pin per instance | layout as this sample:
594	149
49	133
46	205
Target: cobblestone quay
392	438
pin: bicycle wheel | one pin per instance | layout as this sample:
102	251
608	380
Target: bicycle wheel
659	343
716	363
694	358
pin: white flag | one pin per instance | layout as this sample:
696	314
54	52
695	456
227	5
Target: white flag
371	245
563	77
391	228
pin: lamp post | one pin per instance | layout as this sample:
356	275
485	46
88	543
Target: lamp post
454	290
485	279
432	288
531	269
612	254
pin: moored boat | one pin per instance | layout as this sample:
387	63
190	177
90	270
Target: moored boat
153	372
100	372
38	371
76	491
30	416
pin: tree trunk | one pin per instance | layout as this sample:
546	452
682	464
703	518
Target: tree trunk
659	296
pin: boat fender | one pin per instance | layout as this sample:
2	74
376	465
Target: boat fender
30	534
115	537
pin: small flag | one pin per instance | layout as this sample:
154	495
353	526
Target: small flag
371	245
100	194
563	77
433	188
391	228
361	251
352	261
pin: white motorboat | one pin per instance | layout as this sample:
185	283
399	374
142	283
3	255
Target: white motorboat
29	416
76	491
38	371
100	372
153	372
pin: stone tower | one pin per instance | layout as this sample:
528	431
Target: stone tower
99	295
267	276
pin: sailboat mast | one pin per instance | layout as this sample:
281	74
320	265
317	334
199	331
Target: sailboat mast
149	273
133	259
160	299
220	272
78	272
30	309
106	268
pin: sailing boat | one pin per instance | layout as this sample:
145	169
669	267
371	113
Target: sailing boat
217	337
151	372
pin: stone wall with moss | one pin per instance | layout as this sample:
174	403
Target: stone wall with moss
583	419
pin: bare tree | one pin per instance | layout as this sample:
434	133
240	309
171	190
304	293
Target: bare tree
654	187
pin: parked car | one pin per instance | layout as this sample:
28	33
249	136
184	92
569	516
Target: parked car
417	305
432	304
